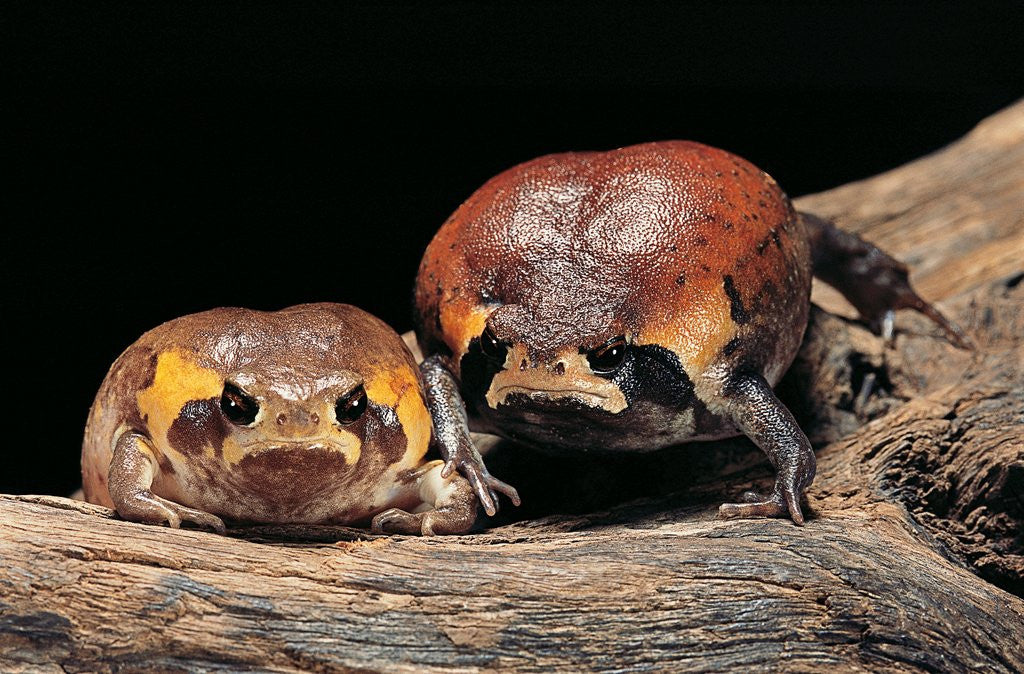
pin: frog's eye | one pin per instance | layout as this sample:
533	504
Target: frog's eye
238	406
608	357
492	347
351	405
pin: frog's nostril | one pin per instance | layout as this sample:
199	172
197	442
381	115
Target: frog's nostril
559	367
314	418
281	419
522	365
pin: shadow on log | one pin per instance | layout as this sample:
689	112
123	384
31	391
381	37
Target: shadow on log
914	556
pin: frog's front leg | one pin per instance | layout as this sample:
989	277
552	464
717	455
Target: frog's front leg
763	418
448	502
133	468
873	281
452	433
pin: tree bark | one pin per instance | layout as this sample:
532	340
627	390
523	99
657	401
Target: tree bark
913	557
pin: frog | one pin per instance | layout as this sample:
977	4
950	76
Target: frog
313	414
633	300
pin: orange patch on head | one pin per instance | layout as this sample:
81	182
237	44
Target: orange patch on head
460	324
399	389
178	380
697	334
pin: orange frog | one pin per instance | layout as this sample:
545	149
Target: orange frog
632	300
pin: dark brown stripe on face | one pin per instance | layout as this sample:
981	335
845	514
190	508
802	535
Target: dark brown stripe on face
383	443
736	310
199	423
385	434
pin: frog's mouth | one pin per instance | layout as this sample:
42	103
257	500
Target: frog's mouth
305	446
544	395
566	385
547	409
298	446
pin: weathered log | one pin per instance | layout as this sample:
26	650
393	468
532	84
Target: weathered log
913	558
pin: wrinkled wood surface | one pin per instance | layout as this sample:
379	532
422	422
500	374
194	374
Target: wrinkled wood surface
912	560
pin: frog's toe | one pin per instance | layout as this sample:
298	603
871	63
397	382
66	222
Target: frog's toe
508	490
756	505
397	521
175	514
201	519
485	486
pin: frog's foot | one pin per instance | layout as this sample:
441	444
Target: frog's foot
756	505
452	433
764	419
449	507
397	521
132	469
486	487
144	506
874	282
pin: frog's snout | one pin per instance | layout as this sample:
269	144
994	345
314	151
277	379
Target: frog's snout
296	421
303	427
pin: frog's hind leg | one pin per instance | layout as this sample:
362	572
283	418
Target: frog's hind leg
873	281
449	506
132	470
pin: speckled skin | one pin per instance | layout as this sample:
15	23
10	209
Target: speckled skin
160	447
695	256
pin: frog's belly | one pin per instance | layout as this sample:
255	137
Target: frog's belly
569	427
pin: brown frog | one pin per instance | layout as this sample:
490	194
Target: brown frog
632	300
311	414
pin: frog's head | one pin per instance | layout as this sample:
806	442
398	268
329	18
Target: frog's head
312	397
546	284
537	357
543	373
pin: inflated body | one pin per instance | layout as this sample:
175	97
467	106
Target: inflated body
312	414
629	300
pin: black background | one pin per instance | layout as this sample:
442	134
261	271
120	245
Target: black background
179	156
